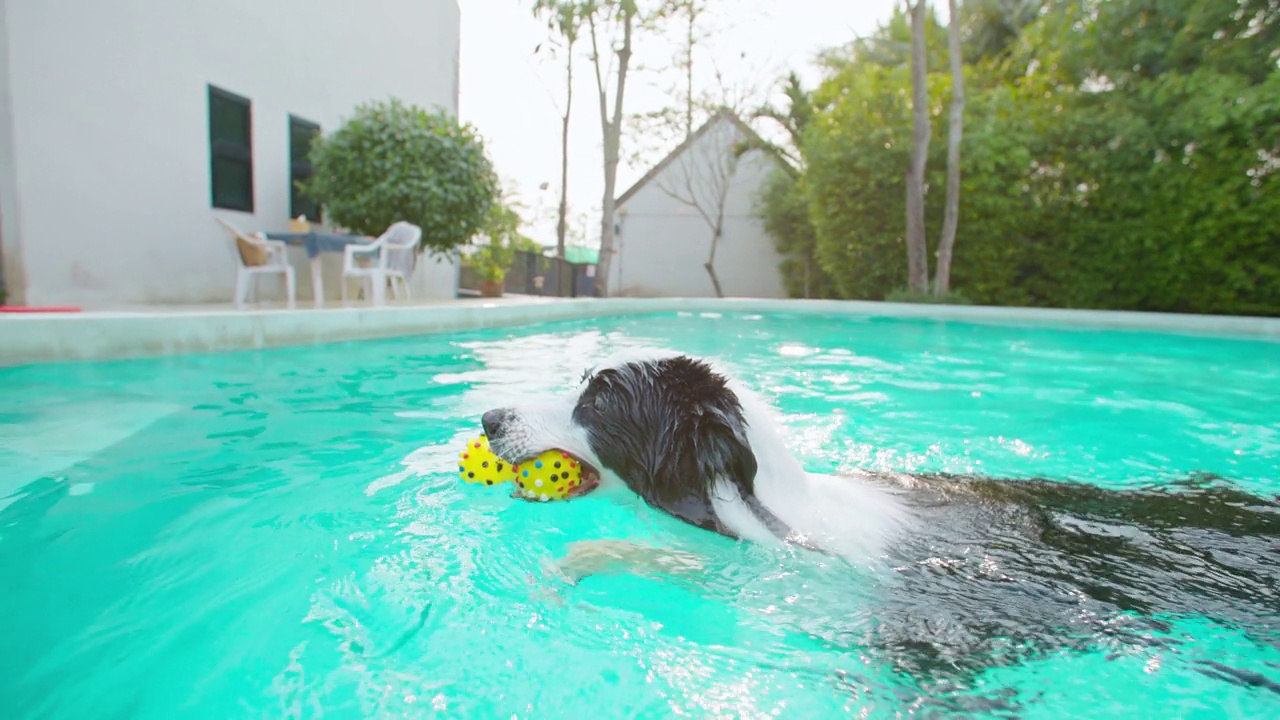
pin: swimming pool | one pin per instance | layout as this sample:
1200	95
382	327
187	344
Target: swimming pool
281	533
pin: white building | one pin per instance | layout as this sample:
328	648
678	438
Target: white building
126	128
664	222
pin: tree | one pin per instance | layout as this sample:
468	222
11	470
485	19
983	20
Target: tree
793	120
624	17
692	10
917	249
782	204
782	207
565	22
955	132
991	27
701	171
701	174
502	238
1118	155
392	161
854	181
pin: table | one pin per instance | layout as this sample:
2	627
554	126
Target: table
316	243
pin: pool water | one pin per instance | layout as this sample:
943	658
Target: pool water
282	533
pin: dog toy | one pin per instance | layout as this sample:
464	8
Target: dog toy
478	465
553	475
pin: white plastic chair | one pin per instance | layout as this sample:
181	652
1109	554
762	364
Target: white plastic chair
393	256
257	256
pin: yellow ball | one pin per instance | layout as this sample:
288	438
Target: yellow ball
553	475
478	465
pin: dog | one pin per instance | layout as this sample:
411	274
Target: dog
691	441
977	571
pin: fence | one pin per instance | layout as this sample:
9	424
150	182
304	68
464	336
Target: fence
534	274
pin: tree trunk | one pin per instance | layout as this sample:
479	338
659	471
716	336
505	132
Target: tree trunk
710	264
710	267
917	249
955	133
688	72
715	281
562	225
612	140
608	206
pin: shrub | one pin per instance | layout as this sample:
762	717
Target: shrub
502	229
903	295
783	208
393	161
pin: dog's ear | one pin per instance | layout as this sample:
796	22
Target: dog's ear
709	446
722	450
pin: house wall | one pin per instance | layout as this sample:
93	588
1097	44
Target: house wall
12	274
662	242
110	200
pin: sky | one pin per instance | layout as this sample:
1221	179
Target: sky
515	97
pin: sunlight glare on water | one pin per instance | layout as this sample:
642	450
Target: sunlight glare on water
281	533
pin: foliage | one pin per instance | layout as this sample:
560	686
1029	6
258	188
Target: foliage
783	209
890	45
992	27
794	119
782	204
502	229
1120	154
902	295
858	149
393	161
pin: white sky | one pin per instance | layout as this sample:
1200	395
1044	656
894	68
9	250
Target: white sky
514	97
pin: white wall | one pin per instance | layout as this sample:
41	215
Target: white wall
11	261
110	132
663	242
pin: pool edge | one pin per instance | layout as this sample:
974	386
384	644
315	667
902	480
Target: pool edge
32	339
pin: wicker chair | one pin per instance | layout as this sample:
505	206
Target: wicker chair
257	256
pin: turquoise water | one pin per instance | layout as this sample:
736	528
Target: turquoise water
280	533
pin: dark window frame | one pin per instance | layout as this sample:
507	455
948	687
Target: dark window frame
300	168
226	150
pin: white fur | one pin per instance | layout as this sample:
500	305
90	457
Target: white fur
850	516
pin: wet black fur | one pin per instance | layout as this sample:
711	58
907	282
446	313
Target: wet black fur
670	428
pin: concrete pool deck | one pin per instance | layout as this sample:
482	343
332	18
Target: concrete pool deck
173	330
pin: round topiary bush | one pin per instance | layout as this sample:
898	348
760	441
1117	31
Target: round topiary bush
393	161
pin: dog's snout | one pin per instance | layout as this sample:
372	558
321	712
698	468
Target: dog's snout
493	421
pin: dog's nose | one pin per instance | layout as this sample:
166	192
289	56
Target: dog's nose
494	420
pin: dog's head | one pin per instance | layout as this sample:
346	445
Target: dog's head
668	427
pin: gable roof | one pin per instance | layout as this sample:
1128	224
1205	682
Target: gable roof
718	116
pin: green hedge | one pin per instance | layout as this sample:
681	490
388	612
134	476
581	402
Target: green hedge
1115	156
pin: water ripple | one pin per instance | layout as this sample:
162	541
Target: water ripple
286	538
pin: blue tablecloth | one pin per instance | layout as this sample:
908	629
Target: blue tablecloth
318	242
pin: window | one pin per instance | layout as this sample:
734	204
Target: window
301	133
230	151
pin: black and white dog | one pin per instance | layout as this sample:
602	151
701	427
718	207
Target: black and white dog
976	563
694	443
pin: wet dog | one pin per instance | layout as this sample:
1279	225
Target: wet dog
694	443
976	571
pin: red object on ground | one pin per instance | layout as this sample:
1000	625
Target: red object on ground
17	309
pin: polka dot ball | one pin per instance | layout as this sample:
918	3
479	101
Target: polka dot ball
550	476
479	466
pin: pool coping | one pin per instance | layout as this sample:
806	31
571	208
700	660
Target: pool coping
44	338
